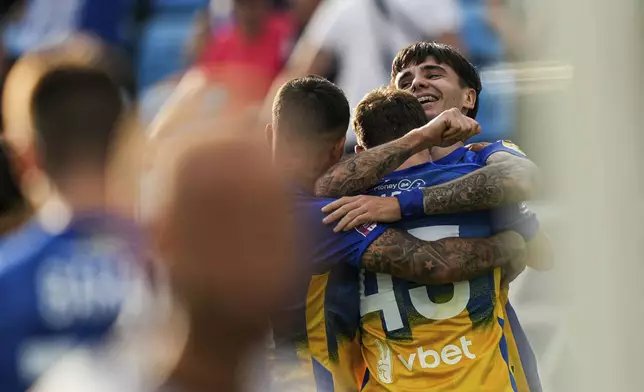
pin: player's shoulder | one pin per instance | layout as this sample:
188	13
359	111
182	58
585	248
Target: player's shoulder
503	146
24	244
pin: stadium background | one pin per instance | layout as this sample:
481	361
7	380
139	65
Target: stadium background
523	72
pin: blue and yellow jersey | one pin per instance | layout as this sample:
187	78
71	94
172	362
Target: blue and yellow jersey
316	337
522	360
445	337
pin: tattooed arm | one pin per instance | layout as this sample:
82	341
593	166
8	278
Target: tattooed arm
506	179
503	181
359	172
362	171
449	260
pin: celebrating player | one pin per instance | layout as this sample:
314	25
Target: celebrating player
310	116
67	271
381	116
397	113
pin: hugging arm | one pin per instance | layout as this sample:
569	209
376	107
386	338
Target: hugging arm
506	179
397	253
360	172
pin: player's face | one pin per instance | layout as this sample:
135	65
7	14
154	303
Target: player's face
436	86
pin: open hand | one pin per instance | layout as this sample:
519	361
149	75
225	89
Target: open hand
353	211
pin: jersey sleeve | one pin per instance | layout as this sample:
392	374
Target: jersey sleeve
499	146
411	203
323	247
515	217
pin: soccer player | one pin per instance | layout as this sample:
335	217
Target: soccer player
443	79
67	271
310	116
384	115
208	335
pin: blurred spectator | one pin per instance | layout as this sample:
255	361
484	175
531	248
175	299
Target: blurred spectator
208	335
303	11
69	269
490	37
45	22
259	39
363	36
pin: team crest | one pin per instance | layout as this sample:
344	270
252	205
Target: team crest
512	146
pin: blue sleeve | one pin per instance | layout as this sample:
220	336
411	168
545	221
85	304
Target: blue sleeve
411	203
515	217
322	247
500	145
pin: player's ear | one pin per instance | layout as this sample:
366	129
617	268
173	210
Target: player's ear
268	132
358	149
338	150
469	98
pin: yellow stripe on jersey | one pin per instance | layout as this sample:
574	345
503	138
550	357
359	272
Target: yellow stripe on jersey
344	368
514	359
419	339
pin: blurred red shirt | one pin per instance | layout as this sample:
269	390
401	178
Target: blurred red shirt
264	55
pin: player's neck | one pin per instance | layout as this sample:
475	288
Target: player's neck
441	152
417	159
83	191
304	172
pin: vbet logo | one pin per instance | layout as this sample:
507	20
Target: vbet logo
451	354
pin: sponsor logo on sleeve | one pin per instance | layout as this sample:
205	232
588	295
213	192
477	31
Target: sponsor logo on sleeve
366	228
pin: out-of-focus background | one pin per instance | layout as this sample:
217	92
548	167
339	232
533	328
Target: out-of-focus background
163	39
514	44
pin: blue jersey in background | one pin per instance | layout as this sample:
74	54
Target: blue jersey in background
60	287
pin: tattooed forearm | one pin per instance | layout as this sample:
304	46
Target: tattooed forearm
449	260
504	182
360	172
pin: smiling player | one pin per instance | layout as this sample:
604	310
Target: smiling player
440	79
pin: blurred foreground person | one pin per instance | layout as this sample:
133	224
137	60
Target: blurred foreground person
14	207
229	265
64	275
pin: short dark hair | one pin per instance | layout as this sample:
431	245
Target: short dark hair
417	53
312	107
11	197
386	114
76	113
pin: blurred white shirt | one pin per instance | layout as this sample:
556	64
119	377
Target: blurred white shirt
354	30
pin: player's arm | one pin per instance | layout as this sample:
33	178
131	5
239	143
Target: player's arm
539	251
517	217
360	172
398	253
506	179
503	181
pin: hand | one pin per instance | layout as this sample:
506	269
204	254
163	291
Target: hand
512	270
353	211
450	127
476	147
